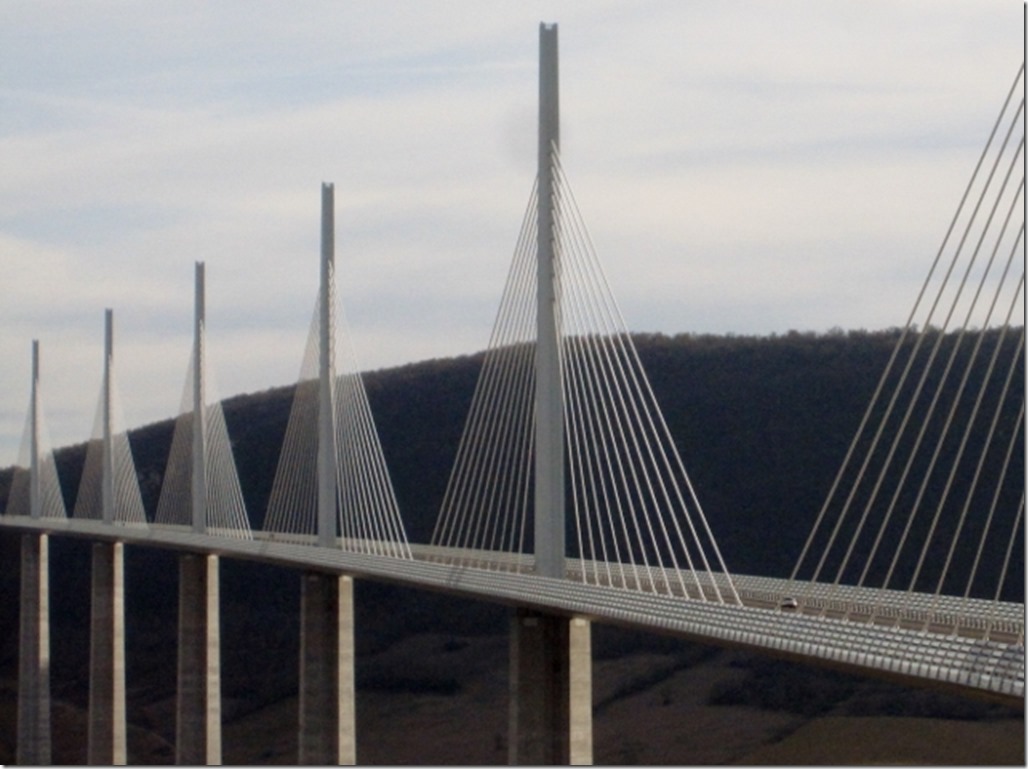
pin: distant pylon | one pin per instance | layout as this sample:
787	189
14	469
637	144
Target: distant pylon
201	489
35	493
109	489
35	488
332	486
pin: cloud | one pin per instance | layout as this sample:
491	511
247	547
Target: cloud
742	166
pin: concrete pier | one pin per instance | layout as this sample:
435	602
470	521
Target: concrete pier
198	707
34	745
107	741
550	689
328	731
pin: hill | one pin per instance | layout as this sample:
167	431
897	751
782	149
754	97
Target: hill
762	425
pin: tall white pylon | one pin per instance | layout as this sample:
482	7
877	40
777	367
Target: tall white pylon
327	732
328	446
109	489
35	493
201	488
564	438
199	474
35	488
198	700
332	487
549	402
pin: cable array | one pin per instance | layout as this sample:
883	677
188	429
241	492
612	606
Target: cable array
225	511
635	521
292	505
632	498
367	513
51	498
127	500
486	507
930	471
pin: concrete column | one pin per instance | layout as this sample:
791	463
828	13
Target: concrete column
107	726
34	746
107	495
35	476
580	701
550	689
549	403
328	732
198	486
328	459
198	707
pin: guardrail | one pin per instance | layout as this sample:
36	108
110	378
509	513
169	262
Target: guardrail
939	654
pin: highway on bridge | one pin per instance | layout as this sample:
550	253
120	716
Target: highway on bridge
975	647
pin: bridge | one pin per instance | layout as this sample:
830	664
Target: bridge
568	500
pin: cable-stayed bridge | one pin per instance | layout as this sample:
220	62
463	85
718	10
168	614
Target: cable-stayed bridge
568	499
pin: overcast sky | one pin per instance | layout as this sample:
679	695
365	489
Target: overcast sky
745	167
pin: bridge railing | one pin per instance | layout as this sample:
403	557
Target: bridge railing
966	662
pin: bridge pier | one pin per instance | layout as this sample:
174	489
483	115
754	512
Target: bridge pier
198	705
550	689
34	742
107	726
328	731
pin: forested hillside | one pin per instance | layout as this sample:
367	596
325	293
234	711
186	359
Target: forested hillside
762	425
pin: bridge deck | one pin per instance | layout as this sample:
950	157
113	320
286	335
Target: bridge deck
892	639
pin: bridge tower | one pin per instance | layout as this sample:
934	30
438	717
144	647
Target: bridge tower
549	419
327	699
107	719
34	735
198	704
550	655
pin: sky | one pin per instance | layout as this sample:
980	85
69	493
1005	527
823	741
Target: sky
743	167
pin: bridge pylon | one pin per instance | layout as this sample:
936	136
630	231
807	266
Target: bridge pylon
550	654
198	700
549	402
107	739
327	731
35	493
